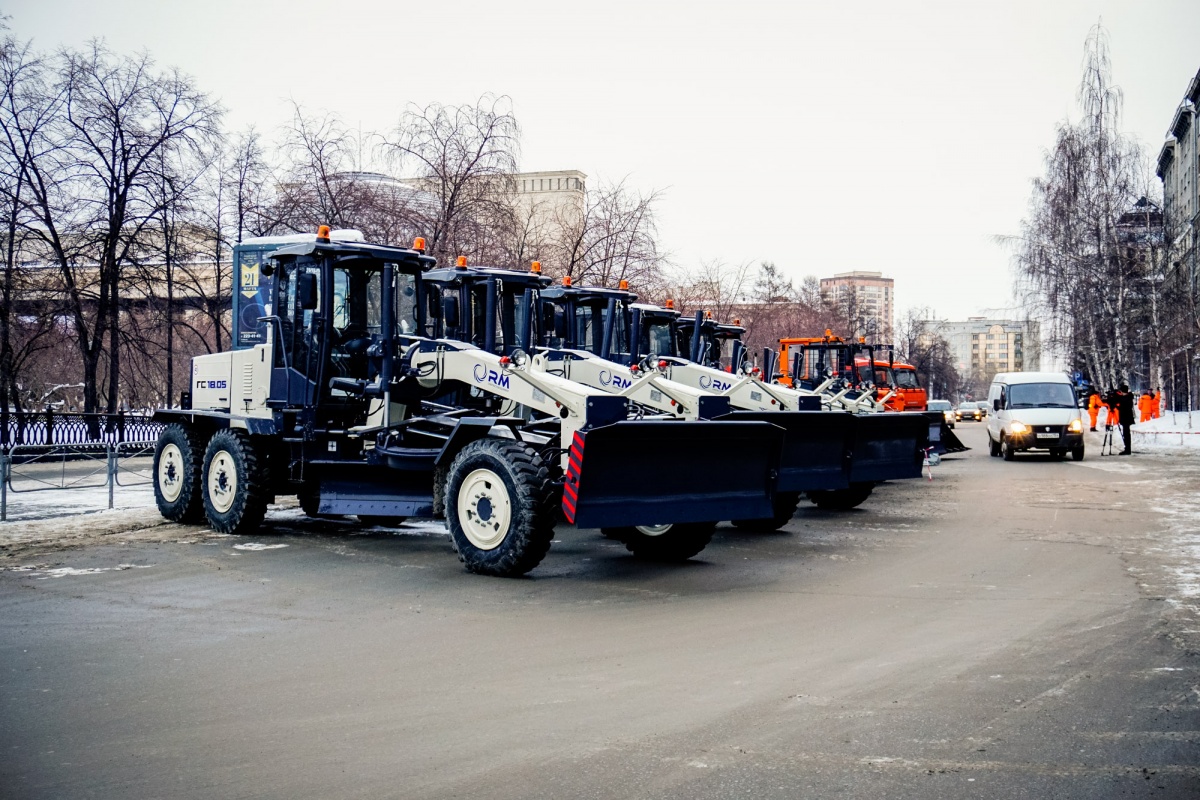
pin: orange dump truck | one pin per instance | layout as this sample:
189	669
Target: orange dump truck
818	358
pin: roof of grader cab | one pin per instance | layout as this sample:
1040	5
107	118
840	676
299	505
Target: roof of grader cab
586	293
723	330
455	275
353	250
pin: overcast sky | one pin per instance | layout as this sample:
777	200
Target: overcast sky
879	135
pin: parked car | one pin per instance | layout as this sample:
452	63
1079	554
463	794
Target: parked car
971	412
946	408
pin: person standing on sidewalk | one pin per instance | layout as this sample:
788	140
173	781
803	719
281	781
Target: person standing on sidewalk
1123	401
1094	403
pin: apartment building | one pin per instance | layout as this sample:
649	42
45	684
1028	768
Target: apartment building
866	299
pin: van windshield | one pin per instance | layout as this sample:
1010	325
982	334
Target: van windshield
1041	395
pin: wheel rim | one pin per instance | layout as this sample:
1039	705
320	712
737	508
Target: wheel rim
654	530
170	472
222	481
484	509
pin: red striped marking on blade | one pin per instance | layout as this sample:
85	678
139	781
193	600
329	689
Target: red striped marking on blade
574	466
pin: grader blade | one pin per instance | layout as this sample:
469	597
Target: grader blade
888	446
654	473
941	436
816	447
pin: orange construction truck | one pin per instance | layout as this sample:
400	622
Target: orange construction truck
818	358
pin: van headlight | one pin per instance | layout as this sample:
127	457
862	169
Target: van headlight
1019	427
1076	426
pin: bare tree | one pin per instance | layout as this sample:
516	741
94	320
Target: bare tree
613	237
1085	268
25	113
464	158
93	179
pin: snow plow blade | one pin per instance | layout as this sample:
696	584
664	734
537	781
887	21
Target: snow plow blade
815	447
888	446
942	437
654	473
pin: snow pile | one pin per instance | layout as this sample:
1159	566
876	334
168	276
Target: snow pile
1172	431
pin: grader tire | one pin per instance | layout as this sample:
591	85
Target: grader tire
499	507
677	542
842	499
235	499
785	508
178	458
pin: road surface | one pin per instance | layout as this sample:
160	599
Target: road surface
1008	630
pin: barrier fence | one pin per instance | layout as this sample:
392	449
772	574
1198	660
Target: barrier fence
47	450
31	468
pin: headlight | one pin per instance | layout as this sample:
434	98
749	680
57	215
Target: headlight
1019	427
1076	426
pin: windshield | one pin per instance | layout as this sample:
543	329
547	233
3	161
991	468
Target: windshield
589	327
656	339
1041	395
939	405
906	378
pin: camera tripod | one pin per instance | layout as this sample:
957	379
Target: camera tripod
1106	447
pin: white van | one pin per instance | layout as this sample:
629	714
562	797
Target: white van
1034	411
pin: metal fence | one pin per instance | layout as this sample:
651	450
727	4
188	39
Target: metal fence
54	428
30	468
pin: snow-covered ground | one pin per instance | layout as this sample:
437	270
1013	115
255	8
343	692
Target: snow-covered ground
1172	431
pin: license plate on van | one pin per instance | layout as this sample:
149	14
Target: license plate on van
1047	436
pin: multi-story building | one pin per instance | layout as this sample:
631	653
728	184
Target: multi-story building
865	298
1179	169
981	347
550	201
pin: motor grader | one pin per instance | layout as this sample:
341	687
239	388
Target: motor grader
835	459
356	408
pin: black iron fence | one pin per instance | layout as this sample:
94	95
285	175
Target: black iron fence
54	428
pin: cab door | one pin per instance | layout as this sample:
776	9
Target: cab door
300	354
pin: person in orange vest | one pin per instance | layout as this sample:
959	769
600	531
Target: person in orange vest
1155	405
1094	403
1110	402
1144	407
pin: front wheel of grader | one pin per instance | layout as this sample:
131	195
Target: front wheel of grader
842	499
677	542
498	507
786	504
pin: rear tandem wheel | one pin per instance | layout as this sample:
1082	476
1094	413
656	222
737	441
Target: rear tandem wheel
234	499
177	465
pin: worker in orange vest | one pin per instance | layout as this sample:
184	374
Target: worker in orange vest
1144	407
1094	403
1112	418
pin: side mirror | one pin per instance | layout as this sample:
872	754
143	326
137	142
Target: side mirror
995	405
450	311
306	290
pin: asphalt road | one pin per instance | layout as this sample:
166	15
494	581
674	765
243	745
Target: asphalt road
1004	631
